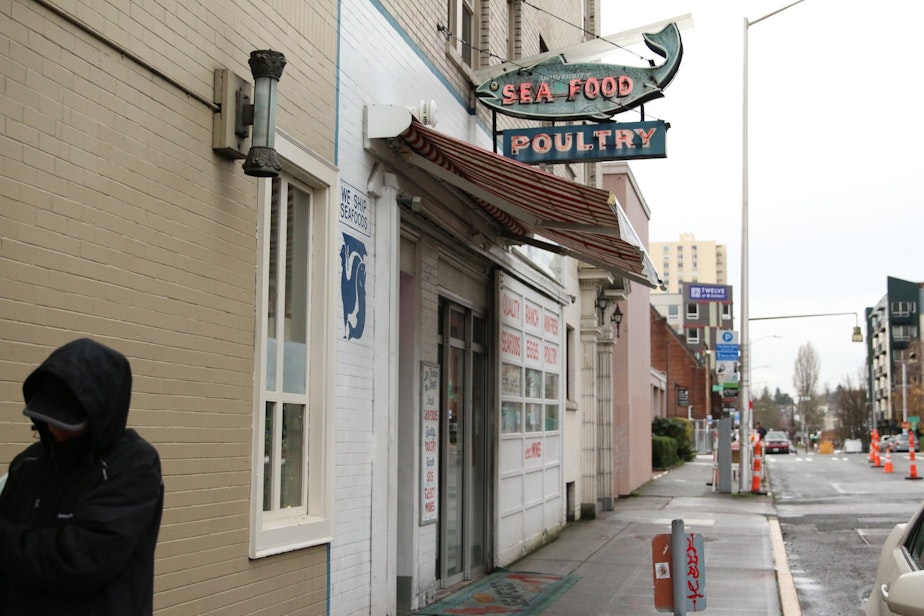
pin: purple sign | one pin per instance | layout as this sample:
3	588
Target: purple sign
708	293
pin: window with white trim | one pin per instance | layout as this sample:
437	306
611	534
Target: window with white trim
292	491
673	313
904	333
464	32
903	308
693	335
692	310
514	31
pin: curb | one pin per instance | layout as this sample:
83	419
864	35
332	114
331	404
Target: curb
789	600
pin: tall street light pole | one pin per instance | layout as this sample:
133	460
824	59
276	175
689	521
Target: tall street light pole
744	397
912	358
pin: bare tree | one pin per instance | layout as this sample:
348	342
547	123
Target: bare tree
852	413
913	384
805	376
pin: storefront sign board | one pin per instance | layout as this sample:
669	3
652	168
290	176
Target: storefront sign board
557	90
586	143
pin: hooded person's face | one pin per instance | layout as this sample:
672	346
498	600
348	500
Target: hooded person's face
61	435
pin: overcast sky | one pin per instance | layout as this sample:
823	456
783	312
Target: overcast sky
836	181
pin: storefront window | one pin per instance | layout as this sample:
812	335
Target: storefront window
551	417
511	380
511	413
533	418
551	386
533	383
551	394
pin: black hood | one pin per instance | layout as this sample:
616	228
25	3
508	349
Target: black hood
100	377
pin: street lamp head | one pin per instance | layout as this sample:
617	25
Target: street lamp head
857	335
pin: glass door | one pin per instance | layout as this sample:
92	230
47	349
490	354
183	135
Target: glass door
464	510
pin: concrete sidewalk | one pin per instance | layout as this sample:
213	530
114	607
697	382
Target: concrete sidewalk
612	554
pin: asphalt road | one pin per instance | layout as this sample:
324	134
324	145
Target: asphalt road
836	511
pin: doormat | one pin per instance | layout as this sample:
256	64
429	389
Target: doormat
504	592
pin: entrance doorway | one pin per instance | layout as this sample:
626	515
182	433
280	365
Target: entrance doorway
464	519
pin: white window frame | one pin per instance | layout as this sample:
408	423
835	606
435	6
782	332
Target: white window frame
673	313
514	31
692	335
903	333
454	44
297	528
903	308
692	314
726	312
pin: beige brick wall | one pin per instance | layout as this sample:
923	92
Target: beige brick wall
554	20
119	222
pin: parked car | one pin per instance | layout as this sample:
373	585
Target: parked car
899	583
776	442
900	443
884	442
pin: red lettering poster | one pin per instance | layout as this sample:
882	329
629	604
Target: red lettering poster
429	442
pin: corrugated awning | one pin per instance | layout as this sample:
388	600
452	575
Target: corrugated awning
588	222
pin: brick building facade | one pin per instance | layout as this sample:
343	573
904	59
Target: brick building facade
685	372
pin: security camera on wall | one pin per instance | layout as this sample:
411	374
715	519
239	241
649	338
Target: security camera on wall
425	112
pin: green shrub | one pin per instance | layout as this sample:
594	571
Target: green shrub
681	430
663	452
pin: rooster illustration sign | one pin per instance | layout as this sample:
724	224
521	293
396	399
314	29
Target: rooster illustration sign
353	286
555	90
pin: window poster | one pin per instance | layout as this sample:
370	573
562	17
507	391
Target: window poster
429	442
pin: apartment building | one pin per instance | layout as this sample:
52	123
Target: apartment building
894	360
690	260
697	312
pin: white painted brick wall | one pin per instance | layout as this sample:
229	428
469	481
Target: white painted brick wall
378	66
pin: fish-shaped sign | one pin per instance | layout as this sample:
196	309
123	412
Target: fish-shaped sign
555	90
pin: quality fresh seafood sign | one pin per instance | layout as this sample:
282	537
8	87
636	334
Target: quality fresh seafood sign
584	143
555	90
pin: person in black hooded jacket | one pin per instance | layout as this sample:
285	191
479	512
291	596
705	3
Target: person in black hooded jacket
81	509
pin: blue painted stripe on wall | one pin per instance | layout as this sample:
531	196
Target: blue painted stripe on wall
420	54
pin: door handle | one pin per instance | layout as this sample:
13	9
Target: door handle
884	589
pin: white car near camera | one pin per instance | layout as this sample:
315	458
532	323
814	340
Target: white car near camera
899	585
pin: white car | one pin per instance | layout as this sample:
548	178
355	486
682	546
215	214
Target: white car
899	586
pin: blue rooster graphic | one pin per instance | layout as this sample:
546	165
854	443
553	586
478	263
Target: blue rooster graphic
353	286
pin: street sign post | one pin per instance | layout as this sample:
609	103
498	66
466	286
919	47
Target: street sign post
679	571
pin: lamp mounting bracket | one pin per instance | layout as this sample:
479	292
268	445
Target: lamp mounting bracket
233	95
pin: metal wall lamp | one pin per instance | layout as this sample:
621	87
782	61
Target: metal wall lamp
616	318
601	303
236	113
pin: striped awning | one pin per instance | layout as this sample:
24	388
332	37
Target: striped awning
588	223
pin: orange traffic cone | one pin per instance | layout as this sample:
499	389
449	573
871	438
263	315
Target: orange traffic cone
755	477
913	468
888	463
877	461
